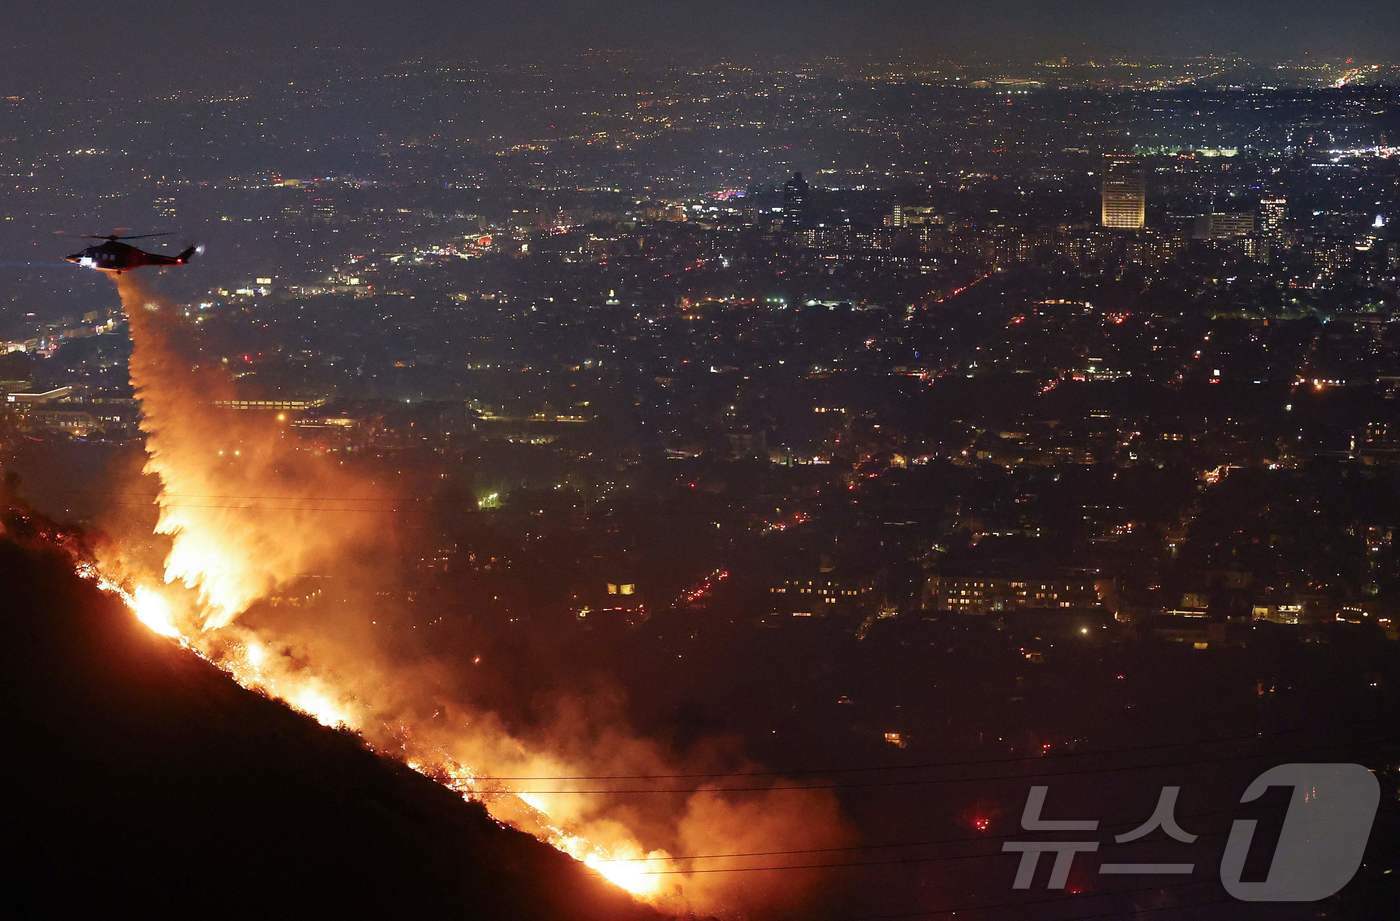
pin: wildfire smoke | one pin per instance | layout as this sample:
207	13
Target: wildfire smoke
238	501
240	504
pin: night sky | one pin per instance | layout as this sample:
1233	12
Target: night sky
59	35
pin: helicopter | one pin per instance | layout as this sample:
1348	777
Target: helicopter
115	256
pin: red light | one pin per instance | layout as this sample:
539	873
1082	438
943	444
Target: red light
981	823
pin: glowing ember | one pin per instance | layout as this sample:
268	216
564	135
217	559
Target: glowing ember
630	875
625	867
154	611
318	705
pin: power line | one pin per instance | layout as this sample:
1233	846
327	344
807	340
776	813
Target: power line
141	494
1052	900
1154	910
212	502
894	861
1094	917
923	765
259	508
931	781
964	839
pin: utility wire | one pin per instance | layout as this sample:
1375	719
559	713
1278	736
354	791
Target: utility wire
936	842
894	861
1127	912
1050	900
931	781
925	765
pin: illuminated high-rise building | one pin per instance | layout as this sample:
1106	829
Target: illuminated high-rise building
1219	225
1124	193
914	216
795	202
1272	213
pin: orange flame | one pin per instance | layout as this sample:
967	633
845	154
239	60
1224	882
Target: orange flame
230	548
154	611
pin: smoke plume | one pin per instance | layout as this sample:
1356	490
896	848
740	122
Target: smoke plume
247	510
244	510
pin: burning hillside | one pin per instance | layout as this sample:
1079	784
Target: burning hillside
150	778
246	510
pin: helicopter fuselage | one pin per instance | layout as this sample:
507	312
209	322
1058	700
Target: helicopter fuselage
117	257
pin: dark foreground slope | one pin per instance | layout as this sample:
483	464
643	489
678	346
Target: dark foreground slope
141	777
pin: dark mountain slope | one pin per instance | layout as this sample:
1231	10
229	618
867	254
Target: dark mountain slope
141	777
